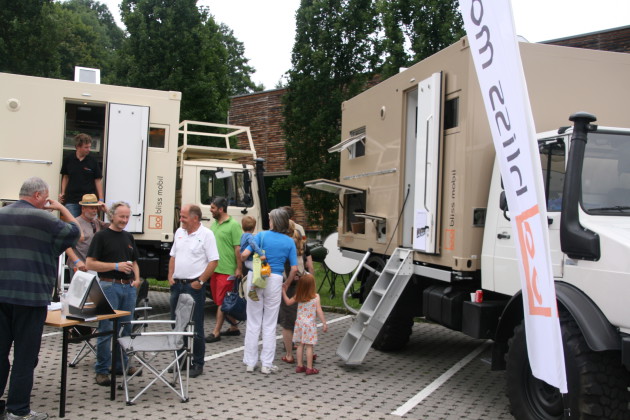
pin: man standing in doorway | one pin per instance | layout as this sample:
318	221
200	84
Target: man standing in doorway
194	257
80	175
228	233
114	256
90	224
31	241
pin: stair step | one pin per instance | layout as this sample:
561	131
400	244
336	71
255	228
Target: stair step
377	307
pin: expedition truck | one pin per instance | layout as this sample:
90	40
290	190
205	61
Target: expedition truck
423	209
135	137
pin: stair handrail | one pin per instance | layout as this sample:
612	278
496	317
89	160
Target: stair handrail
346	291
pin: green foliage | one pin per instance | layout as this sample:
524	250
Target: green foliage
42	38
425	27
89	37
173	45
332	58
24	25
240	72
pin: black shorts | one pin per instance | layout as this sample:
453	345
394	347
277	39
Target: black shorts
287	314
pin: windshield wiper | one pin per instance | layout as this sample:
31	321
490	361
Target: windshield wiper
618	208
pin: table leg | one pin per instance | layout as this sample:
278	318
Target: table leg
64	371
112	391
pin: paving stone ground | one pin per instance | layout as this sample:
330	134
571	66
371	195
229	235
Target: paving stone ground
373	390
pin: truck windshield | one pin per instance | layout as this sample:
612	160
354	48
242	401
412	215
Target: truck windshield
606	174
230	185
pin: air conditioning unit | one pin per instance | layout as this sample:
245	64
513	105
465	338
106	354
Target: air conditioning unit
87	75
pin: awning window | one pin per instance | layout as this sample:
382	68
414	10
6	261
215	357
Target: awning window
347	143
333	187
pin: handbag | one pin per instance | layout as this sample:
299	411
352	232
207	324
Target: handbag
261	270
234	304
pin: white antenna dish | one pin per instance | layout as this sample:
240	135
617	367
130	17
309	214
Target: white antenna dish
335	261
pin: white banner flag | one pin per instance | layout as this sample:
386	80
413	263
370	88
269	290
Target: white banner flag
494	47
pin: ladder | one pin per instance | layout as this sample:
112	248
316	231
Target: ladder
374	312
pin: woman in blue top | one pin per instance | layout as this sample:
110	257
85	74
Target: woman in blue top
263	314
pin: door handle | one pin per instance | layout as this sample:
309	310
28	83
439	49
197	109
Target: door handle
503	235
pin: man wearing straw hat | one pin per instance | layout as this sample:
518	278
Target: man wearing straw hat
90	224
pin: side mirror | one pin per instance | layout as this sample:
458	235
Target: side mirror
503	205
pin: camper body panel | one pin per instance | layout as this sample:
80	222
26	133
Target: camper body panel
552	75
37	130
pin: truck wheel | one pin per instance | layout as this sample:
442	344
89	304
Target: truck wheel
368	278
397	329
597	382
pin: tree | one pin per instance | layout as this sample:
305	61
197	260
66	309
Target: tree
426	27
173	45
24	25
89	38
331	62
240	71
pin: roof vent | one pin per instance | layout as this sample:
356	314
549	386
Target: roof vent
87	75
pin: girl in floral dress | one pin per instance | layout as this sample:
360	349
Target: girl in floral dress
305	331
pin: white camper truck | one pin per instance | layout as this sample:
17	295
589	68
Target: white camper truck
135	136
423	209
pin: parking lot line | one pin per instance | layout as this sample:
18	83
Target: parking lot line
278	337
428	390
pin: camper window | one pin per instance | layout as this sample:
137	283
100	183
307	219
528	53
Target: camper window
157	137
354	203
357	149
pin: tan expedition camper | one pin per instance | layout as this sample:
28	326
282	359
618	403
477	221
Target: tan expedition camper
145	153
423	209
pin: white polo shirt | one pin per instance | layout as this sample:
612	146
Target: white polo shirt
193	252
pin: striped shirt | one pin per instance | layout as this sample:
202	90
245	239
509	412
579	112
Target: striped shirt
31	241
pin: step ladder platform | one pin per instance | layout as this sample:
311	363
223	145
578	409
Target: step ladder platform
377	307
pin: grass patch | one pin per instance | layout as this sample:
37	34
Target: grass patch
336	302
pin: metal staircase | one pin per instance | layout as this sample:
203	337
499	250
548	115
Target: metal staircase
377	307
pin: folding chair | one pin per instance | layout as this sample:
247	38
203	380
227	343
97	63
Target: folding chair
140	312
151	343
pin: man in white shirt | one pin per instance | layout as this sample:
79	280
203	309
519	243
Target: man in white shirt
194	257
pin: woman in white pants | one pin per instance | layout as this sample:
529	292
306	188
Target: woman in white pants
262	315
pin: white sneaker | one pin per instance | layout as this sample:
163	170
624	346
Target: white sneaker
250	368
30	416
268	369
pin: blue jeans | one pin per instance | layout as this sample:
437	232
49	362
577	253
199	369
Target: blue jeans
22	327
74	209
199	296
123	298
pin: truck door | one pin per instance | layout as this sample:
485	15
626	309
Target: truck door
126	163
552	158
422	165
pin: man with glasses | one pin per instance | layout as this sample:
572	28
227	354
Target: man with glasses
114	256
90	224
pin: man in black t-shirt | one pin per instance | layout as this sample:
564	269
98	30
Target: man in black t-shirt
113	254
81	175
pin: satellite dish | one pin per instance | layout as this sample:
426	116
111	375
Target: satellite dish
334	260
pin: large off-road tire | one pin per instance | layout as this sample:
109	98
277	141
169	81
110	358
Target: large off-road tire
396	331
597	382
368	278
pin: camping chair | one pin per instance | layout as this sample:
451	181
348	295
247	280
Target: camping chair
170	341
140	312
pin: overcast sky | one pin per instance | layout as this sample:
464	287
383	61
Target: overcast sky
267	27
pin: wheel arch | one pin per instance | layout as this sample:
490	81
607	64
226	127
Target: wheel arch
598	332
